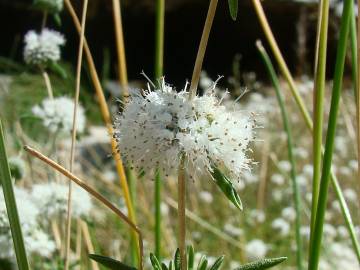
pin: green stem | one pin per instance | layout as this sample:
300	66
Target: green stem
353	43
306	116
319	91
159	63
11	207
315	246
297	201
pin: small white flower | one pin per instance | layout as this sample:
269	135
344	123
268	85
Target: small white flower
42	48
51	198
308	170
284	165
351	195
288	214
57	115
353	164
281	225
258	215
54	6
206	196
157	127
256	249
277	179
233	230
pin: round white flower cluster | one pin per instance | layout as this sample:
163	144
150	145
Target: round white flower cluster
53	6
256	249
157	127
36	240
51	199
57	115
42	48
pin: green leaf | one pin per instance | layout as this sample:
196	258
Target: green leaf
226	187
56	68
170	265
190	252
155	262
57	19
217	264
177	260
233	8
11	208
110	263
164	267
262	264
203	263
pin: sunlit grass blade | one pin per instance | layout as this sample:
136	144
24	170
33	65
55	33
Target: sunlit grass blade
297	200
306	116
262	264
315	245
11	207
158	72
318	104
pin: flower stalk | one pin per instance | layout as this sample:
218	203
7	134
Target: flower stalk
202	48
181	212
73	132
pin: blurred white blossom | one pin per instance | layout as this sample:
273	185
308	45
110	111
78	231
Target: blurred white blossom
41	48
57	115
256	249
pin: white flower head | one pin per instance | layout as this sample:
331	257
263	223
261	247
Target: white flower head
157	127
53	6
36	240
256	249
57	115
42	48
51	198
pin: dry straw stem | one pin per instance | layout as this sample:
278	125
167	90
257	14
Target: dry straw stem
181	212
90	190
73	132
105	113
286	73
263	173
284	69
120	47
48	84
87	238
202	48
358	98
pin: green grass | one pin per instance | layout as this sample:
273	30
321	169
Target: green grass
11	207
296	193
315	245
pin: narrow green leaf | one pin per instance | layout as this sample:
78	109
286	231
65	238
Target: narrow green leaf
57	19
190	252
170	265
217	264
262	264
233	8
226	187
11	208
164	267
110	263
202	263
56	68
177	260
155	262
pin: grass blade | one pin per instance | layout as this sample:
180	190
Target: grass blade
11	207
315	245
297	201
233	8
287	75
319	91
